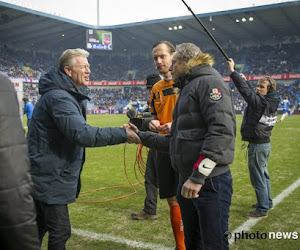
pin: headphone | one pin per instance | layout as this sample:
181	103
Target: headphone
271	81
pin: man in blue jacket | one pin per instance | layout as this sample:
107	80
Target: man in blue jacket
258	121
28	109
57	138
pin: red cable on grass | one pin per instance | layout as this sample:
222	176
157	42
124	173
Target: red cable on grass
139	163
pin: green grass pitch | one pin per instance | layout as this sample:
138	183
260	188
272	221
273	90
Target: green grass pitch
105	167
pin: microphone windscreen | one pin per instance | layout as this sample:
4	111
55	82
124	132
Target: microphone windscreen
131	113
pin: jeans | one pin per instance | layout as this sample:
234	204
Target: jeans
55	220
205	219
258	156
151	184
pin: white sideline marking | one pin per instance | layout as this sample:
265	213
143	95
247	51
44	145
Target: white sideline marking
107	237
244	227
252	221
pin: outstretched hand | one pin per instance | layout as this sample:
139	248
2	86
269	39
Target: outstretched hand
132	136
133	127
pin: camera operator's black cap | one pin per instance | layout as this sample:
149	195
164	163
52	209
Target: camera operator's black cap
151	80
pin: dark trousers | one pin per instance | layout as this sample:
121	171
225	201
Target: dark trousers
55	220
28	122
205	219
151	184
168	178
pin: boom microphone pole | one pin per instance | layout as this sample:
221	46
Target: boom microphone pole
207	31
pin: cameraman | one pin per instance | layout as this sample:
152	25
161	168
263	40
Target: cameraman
163	98
151	184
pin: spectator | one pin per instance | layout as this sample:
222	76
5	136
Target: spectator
28	109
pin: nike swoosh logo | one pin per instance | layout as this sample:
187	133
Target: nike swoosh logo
205	167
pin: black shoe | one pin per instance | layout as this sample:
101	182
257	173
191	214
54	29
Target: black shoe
255	214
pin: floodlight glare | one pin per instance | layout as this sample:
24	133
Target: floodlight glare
250	19
237	20
244	19
180	27
175	28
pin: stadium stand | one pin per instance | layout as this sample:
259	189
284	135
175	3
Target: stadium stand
280	60
258	60
256	48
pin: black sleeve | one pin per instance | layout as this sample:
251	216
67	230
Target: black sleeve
247	92
155	141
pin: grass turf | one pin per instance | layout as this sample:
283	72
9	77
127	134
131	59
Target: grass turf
104	168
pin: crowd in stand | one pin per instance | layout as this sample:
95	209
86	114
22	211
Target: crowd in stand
103	99
121	68
116	98
259	60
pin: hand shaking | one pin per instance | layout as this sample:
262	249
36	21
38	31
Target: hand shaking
131	132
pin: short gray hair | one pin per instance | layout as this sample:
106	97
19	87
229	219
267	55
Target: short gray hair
185	51
67	57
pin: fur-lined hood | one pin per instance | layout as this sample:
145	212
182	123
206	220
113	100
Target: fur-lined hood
196	66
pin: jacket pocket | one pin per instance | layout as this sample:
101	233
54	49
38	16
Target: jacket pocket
188	146
191	134
71	170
